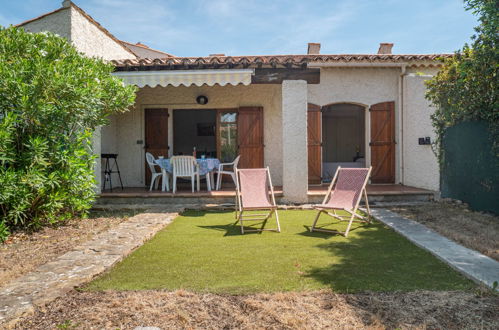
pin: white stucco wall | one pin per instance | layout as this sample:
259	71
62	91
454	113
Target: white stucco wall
58	23
420	163
129	127
109	135
294	131
96	148
90	40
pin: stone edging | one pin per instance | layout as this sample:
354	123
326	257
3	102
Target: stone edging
472	264
74	268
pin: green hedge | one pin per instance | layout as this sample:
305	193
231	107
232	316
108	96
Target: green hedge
51	100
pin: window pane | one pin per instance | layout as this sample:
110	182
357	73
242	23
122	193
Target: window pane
228	136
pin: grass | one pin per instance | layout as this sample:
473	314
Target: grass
205	252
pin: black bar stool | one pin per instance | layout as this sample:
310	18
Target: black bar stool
109	169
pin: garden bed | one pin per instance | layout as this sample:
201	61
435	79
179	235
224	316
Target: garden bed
475	230
23	252
291	310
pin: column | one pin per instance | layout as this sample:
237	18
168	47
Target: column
294	140
96	149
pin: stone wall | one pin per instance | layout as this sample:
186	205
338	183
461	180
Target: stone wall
58	23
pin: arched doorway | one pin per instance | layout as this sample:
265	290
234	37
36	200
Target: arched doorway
343	137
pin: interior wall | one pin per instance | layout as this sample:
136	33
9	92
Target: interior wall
185	136
343	133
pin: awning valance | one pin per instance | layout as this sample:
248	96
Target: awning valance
186	77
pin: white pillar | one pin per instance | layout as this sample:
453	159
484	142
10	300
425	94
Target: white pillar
294	141
96	149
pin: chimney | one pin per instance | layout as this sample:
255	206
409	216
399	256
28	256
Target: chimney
66	4
314	48
385	48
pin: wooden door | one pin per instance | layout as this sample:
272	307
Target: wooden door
314	141
383	142
250	137
156	135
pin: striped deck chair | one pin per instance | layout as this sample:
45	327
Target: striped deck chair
344	194
252	194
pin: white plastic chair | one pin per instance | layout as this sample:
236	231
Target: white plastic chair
232	173
155	175
184	167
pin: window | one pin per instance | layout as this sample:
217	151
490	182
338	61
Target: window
228	136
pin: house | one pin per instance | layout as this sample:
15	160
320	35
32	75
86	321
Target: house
301	115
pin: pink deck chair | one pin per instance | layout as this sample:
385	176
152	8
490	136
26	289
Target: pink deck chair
344	194
252	194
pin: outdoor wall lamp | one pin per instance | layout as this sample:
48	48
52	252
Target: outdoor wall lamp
201	99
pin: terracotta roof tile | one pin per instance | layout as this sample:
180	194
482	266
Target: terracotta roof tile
219	62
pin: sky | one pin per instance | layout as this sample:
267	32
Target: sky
252	27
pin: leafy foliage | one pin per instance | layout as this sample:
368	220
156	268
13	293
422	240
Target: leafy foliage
51	100
466	88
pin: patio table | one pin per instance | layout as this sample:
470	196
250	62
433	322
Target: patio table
205	165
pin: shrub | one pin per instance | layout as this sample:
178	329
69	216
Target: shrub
466	88
51	100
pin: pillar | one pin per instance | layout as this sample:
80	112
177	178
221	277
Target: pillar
294	140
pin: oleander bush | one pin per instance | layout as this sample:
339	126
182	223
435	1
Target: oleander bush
52	98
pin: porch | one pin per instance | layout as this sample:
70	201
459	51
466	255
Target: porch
137	196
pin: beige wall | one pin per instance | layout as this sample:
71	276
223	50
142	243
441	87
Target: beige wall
129	127
85	36
58	23
90	40
420	163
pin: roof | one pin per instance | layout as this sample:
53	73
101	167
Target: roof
140	49
274	61
88	17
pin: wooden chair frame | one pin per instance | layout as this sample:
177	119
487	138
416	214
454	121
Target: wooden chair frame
352	213
239	209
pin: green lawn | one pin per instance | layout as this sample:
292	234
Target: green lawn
205	251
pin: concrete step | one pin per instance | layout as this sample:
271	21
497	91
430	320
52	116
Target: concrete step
145	202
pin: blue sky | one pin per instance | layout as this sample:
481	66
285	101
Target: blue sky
246	27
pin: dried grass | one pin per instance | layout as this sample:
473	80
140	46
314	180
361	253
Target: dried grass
23	252
305	310
475	230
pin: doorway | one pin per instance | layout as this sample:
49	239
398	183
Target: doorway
195	130
343	138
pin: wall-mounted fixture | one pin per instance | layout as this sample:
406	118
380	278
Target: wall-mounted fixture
424	140
201	99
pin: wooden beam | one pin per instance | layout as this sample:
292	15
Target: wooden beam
276	76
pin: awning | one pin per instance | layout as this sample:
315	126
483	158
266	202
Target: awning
186	77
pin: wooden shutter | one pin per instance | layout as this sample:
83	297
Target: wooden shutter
156	135
250	137
383	142
314	140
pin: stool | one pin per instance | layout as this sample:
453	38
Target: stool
109	169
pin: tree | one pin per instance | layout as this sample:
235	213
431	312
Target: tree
466	88
51	100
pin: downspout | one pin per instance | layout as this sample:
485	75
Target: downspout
401	129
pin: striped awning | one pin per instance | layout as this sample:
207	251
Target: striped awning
186	77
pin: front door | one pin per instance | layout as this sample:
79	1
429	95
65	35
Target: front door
383	142
156	135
